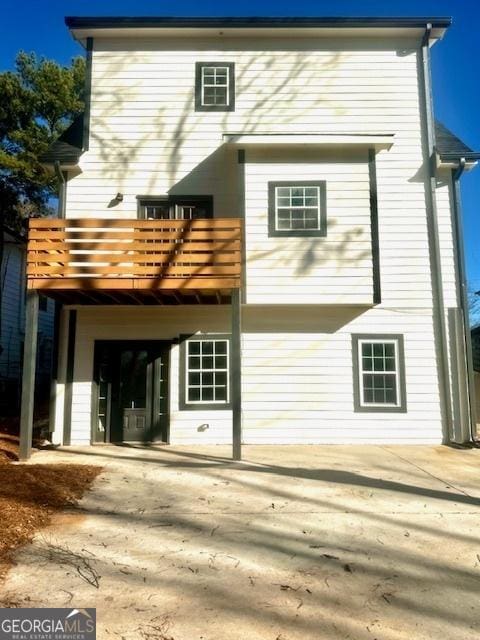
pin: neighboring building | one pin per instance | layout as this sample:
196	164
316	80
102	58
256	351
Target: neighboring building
281	170
13	281
476	367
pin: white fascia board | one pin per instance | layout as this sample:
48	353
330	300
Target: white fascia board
380	141
453	164
367	32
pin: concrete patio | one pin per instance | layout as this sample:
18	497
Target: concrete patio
296	542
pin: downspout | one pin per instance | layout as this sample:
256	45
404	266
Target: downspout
462	277
61	193
62	203
439	325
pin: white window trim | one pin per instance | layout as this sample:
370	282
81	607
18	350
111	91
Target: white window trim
188	370
393	341
226	85
314	208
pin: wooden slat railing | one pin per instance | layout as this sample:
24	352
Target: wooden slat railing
134	254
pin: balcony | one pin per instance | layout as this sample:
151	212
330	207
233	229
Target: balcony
105	261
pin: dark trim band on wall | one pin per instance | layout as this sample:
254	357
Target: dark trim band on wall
55	357
62	177
88	94
236	375
67	412
241	160
372	174
62	201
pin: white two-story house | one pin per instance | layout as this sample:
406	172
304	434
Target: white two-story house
259	238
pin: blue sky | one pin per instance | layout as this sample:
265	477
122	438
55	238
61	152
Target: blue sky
35	25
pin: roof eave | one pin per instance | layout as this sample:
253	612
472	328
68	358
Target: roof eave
453	160
75	22
63	166
83	27
472	156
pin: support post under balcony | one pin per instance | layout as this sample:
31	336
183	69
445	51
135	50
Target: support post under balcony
236	375
28	376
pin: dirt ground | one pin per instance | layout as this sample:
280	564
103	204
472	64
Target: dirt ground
31	494
294	543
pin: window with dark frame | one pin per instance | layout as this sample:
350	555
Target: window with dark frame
215	86
205	372
155	209
175	207
297	208
379	373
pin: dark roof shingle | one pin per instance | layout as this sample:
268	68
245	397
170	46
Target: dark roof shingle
449	146
69	146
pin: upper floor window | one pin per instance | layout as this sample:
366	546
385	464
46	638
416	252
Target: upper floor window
215	86
379	373
175	207
297	208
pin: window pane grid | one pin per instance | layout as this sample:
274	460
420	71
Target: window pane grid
207	371
215	83
156	211
379	373
297	208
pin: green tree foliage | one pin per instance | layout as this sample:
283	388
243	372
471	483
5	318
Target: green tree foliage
474	306
39	99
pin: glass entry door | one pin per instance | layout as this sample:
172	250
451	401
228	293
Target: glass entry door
135	371
131	383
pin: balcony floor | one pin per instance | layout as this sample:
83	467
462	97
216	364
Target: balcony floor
123	261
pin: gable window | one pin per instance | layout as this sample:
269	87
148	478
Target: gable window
215	86
297	208
205	372
379	373
175	207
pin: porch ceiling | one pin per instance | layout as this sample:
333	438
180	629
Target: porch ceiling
138	297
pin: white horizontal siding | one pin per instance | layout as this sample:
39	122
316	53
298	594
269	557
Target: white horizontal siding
332	269
298	385
446	234
297	374
143	323
146	138
450	285
57	420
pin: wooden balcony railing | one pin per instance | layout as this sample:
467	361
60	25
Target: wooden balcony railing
152	255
